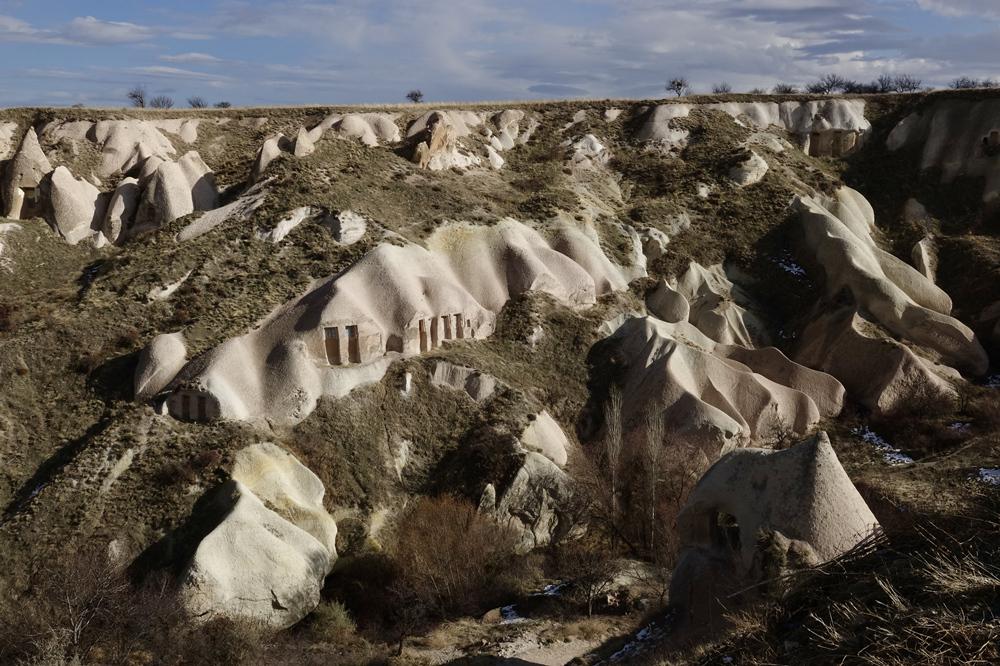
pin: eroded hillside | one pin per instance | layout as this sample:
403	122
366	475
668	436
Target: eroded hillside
238	346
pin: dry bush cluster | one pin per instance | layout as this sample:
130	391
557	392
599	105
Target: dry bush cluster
926	598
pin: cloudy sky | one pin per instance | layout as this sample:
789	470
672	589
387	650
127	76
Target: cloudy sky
63	52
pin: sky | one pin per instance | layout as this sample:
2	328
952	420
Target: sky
257	52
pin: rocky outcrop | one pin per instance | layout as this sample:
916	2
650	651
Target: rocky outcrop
543	435
530	503
838	236
715	395
478	385
878	371
822	127
122	209
158	363
22	177
756	510
961	137
266	559
397	300
73	207
177	189
749	171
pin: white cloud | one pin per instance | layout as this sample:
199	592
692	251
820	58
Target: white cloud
161	71
192	58
89	30
81	31
984	8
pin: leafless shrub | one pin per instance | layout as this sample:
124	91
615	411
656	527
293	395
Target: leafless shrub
903	83
197	102
722	88
678	86
454	559
785	89
416	96
223	105
161	102
590	566
137	97
829	83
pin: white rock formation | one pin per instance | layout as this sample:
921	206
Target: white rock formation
838	234
823	127
925	257
346	226
587	152
158	363
395	301
717	395
177	189
543	435
711	302
749	171
125	143
286	225
122	209
266	560
478	385
801	497
72	207
24	172
878	371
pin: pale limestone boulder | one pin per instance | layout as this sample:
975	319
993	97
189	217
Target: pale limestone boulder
478	385
664	302
925	257
266	559
304	145
201	182
347	226
801	496
73	205
749	171
159	362
543	435
25	171
122	209
878	371
269	151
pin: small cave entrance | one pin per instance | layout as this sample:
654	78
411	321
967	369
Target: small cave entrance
725	531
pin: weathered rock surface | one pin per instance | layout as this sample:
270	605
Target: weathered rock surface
158	363
800	498
266	560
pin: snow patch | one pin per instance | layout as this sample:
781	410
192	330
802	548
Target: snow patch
890	454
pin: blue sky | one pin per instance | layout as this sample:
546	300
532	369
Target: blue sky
249	52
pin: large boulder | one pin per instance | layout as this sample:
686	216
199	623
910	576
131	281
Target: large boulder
72	206
158	363
24	172
266	559
121	209
878	371
543	435
800	502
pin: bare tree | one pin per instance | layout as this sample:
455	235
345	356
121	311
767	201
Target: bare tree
653	454
758	91
223	105
678	86
785	89
197	102
416	96
161	102
613	442
906	83
722	88
828	83
590	565
137	96
885	83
